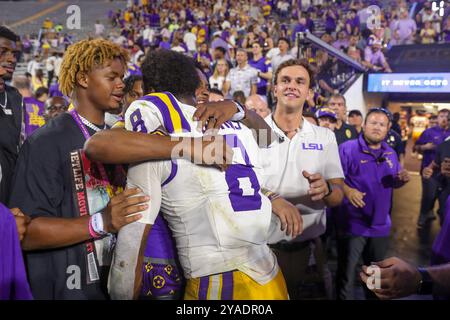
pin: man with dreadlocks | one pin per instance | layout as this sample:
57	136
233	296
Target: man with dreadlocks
67	254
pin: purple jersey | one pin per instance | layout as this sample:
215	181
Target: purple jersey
13	279
33	115
372	172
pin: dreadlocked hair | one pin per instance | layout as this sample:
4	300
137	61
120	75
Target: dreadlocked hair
84	56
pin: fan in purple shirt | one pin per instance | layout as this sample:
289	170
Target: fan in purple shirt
13	279
371	170
426	144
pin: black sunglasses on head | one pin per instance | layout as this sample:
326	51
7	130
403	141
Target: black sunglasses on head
383	110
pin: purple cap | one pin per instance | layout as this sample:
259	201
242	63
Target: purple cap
326	112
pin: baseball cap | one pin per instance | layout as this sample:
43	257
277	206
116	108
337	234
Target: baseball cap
326	112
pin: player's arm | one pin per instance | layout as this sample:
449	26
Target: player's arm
53	232
337	192
289	222
225	110
125	280
136	145
122	146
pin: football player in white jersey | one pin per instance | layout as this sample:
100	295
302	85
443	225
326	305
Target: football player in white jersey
221	221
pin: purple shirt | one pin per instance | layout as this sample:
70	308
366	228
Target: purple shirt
264	67
405	27
298	28
441	245
354	23
436	135
198	56
164	45
330	23
54	91
154	20
134	70
33	115
13	279
375	58
340	43
371	172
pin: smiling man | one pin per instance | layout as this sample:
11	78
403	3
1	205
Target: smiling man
305	168
71	245
10	112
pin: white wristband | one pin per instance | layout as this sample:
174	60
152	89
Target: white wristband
240	115
97	223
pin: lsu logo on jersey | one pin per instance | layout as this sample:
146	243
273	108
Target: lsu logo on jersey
312	146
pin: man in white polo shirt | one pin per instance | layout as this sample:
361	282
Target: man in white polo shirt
305	169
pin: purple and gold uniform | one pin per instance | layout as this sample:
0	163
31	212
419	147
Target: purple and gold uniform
221	221
162	275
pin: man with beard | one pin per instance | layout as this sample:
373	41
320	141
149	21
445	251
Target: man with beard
371	170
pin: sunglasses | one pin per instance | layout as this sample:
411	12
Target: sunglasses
386	112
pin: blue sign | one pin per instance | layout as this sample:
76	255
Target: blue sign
409	82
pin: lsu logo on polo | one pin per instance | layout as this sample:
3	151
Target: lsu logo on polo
312	146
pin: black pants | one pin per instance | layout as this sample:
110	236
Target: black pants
350	250
305	280
431	189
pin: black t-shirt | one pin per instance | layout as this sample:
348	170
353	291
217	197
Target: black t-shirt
395	141
43	188
345	133
10	132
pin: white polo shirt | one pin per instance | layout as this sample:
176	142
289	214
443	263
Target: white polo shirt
313	149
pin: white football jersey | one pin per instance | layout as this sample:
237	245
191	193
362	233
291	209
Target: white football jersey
220	220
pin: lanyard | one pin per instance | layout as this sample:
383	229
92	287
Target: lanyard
87	135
